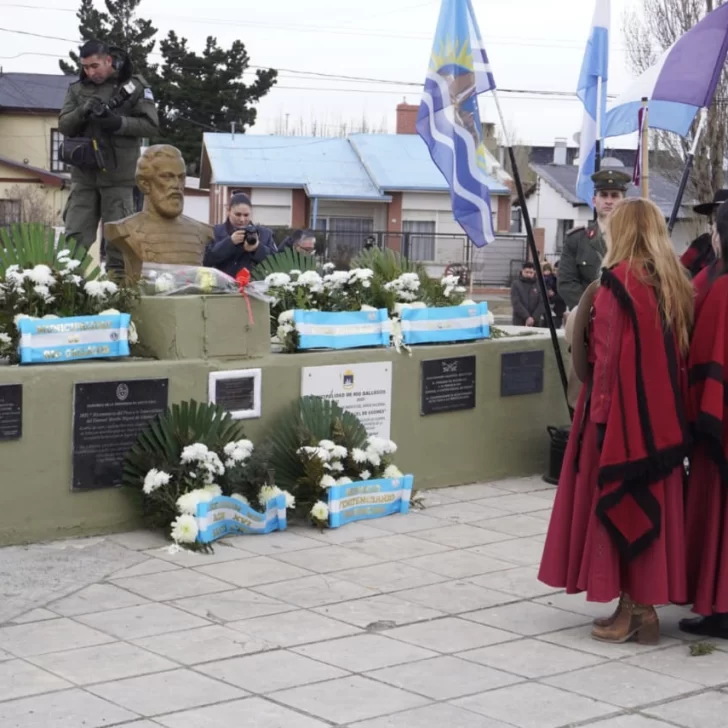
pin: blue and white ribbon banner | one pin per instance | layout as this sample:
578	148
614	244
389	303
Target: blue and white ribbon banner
342	329
53	341
223	516
368	499
452	323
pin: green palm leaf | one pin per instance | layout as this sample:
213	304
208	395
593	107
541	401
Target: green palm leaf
387	264
307	422
283	262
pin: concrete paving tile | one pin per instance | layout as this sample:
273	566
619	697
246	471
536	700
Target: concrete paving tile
115	661
458	564
253	571
466	512
203	644
271	671
527	618
579	638
519	551
326	559
145	621
524	485
294	628
443	678
531	658
405	523
515	503
434	498
450	635
397	548
621	684
577	603
530	705
62	710
390	577
433	716
34	615
631	721
364	652
185	558
353	533
518	525
150	566
707	670
174	585
270	544
96	598
461	536
455	597
37	638
707	710
230	606
348	699
140	540
165	692
473	492
384	609
315	591
521	582
250	713
19	679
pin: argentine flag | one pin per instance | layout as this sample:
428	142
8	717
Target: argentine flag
594	67
449	119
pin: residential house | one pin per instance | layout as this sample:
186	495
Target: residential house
349	188
554	206
34	183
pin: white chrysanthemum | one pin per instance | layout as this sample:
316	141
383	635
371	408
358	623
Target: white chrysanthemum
468	302
155	479
392	471
290	500
94	289
187	503
491	319
377	444
327	444
41	275
14	276
20	317
283	331
312	280
276	280
315	452
339	452
320	511
184	529
133	335
286	317
294	272
343	480
194	453
164	283
63	253
365	307
110	312
329	266
337	467
50	317
365	475
241	498
238	452
268	493
374	458
71	265
215	490
44	292
327	481
358	455
5	339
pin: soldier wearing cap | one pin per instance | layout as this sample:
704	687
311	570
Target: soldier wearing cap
585	247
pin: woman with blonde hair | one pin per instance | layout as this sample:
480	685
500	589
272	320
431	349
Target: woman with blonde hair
617	527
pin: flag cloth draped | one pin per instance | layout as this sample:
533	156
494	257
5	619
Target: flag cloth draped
595	67
681	83
449	120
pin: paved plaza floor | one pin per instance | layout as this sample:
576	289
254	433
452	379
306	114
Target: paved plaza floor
430	620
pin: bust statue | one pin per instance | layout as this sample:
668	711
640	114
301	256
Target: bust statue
160	233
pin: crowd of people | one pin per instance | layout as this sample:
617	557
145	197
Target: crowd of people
641	513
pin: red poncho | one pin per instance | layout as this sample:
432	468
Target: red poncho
708	373
646	435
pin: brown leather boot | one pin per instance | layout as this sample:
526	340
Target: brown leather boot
634	621
606	621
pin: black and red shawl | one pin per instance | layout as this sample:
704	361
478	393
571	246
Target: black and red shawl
699	254
708	374
646	436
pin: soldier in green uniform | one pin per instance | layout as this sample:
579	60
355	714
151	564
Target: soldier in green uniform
105	115
584	247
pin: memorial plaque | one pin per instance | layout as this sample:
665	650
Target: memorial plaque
238	392
107	419
11	411
448	385
522	373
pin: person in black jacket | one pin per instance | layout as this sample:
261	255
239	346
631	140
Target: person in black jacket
528	307
555	301
238	243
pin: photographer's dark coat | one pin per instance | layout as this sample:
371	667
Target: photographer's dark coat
223	254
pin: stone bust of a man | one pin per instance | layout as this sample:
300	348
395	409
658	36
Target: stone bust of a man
160	233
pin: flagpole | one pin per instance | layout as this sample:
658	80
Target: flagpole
598	148
531	240
686	171
645	171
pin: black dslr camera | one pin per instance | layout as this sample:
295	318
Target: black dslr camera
251	234
102	109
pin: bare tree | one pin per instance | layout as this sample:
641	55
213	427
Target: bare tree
649	30
34	204
325	127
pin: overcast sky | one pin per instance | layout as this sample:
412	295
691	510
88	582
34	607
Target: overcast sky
534	45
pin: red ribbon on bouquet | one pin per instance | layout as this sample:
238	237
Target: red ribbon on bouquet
243	279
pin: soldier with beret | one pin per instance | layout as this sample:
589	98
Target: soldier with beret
584	247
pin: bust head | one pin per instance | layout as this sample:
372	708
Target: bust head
160	175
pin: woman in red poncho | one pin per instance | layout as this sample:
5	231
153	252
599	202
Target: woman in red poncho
707	505
617	527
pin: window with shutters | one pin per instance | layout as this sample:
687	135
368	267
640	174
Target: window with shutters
57	165
11	212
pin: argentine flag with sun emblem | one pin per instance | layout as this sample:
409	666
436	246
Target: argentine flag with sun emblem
449	120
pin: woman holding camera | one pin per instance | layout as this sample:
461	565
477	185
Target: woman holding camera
238	243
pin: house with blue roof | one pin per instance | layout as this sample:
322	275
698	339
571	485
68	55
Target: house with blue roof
350	188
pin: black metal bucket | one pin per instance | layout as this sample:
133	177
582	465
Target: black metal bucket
559	440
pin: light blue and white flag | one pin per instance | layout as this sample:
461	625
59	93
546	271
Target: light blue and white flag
594	68
449	119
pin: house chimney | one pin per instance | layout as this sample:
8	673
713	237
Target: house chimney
407	118
560	150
